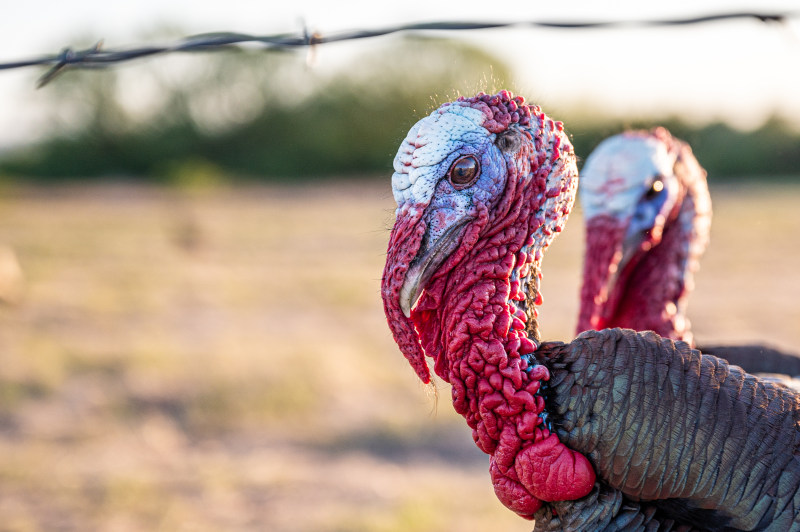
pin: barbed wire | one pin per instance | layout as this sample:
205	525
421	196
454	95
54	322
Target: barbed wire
97	57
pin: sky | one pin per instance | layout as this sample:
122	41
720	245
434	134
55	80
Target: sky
739	71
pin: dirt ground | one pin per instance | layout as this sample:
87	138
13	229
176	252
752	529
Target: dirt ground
218	359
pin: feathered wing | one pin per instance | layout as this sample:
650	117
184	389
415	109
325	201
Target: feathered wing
685	437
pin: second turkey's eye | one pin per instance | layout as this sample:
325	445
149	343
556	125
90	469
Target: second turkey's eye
464	172
658	186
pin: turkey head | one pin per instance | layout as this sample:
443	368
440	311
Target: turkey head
647	212
482	186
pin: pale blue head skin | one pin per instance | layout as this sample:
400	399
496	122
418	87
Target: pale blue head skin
431	147
420	184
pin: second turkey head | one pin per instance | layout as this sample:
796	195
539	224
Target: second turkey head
647	212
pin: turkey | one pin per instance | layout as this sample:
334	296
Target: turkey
617	430
647	212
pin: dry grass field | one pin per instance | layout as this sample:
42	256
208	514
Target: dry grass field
219	360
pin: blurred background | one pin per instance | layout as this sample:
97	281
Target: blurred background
191	331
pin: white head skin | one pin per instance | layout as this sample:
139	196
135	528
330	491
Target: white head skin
426	153
621	170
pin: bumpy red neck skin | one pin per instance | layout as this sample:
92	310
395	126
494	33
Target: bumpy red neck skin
651	291
476	316
603	251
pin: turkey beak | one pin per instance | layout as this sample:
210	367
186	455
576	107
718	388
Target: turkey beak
637	240
646	225
631	246
432	254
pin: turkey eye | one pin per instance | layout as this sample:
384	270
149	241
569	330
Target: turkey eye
658	186
464	172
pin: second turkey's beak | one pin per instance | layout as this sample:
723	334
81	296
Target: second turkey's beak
645	227
441	239
644	230
637	240
631	246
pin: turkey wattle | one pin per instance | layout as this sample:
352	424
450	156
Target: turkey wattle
483	185
648	214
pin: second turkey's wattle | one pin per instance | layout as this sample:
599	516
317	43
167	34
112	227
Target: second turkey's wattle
482	186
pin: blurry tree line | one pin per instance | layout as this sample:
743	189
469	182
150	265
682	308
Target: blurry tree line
772	151
253	114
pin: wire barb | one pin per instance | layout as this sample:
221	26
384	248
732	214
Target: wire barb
66	59
94	57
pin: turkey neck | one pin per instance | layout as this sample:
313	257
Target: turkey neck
479	323
652	292
655	294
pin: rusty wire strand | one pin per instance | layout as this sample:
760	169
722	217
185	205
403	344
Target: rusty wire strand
97	57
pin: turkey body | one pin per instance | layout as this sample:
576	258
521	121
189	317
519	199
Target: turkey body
756	358
617	430
723	456
648	217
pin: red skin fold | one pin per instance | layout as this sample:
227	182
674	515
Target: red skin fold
604	235
404	243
